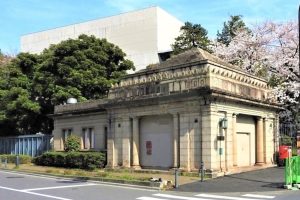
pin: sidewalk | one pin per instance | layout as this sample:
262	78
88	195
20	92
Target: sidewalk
266	180
269	179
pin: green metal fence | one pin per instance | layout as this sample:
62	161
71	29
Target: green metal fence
292	170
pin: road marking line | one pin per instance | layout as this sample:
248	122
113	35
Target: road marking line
33	193
45	195
258	196
149	198
59	187
223	197
35	176
178	197
102	183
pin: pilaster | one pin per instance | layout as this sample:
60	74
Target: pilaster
259	141
135	143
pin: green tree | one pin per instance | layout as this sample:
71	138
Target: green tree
32	85
18	109
72	144
230	29
193	35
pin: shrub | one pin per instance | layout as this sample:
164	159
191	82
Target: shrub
51	159
83	160
72	143
11	158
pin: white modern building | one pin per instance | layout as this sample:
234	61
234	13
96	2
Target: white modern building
144	35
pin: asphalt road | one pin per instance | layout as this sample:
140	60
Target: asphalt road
16	186
264	180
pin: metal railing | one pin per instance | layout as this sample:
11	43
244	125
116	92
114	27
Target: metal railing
33	145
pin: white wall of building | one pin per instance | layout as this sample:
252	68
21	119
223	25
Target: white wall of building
141	34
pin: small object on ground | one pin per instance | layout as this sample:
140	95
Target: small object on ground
156	179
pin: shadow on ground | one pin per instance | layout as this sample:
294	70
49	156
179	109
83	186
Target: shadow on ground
271	179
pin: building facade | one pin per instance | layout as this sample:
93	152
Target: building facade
144	35
189	109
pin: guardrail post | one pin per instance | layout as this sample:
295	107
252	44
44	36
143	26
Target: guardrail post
17	161
176	177
202	171
5	163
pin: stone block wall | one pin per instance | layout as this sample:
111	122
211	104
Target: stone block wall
97	121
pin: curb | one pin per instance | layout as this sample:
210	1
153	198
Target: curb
118	182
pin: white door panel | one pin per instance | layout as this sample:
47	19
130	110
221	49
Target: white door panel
245	140
156	141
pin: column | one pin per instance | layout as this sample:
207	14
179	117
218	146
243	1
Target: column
259	142
175	139
111	163
135	143
266	141
126	132
234	140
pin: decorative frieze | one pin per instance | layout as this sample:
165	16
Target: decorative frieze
172	78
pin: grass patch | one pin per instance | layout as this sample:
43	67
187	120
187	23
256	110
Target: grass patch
119	174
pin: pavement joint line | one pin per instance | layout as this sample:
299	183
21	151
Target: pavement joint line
128	186
223	197
258	196
107	184
149	198
178	197
59	187
34	193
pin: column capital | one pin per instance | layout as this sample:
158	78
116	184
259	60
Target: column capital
135	117
259	118
175	114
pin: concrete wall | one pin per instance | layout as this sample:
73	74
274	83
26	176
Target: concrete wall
96	121
198	128
141	34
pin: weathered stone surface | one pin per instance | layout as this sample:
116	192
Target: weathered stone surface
196	90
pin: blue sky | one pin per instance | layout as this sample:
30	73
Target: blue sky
19	17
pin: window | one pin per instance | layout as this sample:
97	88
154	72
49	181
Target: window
105	137
66	133
88	138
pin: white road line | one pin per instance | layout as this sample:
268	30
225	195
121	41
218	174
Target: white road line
106	184
33	193
223	197
59	187
35	176
45	195
178	197
258	196
149	198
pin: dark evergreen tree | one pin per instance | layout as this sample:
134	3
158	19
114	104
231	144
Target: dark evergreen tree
193	35
230	28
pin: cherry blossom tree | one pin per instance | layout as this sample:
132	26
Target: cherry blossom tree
269	50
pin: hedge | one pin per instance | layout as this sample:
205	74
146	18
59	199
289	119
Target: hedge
82	160
11	158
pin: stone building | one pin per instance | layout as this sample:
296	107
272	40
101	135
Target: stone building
189	109
144	35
